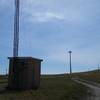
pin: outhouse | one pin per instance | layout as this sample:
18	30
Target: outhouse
24	73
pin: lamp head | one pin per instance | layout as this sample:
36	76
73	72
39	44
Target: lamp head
69	51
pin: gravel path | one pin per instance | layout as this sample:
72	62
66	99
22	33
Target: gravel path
94	90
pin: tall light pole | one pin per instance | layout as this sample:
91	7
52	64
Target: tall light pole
70	63
16	29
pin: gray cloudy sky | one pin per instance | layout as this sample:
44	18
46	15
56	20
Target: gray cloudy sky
49	28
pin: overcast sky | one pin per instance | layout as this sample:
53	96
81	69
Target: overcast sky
49	29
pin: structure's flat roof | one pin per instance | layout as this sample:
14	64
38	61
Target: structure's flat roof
25	58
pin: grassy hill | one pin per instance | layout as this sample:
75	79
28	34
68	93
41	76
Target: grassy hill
91	75
53	87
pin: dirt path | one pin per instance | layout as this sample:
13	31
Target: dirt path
95	91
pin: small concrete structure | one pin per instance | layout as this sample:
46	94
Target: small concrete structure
24	73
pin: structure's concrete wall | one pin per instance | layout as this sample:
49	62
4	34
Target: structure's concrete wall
24	73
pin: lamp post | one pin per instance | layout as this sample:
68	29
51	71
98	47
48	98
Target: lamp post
70	62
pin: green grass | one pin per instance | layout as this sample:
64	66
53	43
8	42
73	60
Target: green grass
3	79
52	88
90	76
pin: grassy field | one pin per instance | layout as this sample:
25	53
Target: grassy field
91	76
52	88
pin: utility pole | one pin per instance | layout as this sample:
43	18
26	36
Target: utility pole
16	29
70	62
98	67
6	72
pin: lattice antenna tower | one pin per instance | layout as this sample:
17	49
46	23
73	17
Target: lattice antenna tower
16	29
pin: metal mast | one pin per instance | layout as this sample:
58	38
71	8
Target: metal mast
70	62
16	29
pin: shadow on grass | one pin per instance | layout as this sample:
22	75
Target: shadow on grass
3	82
4	88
